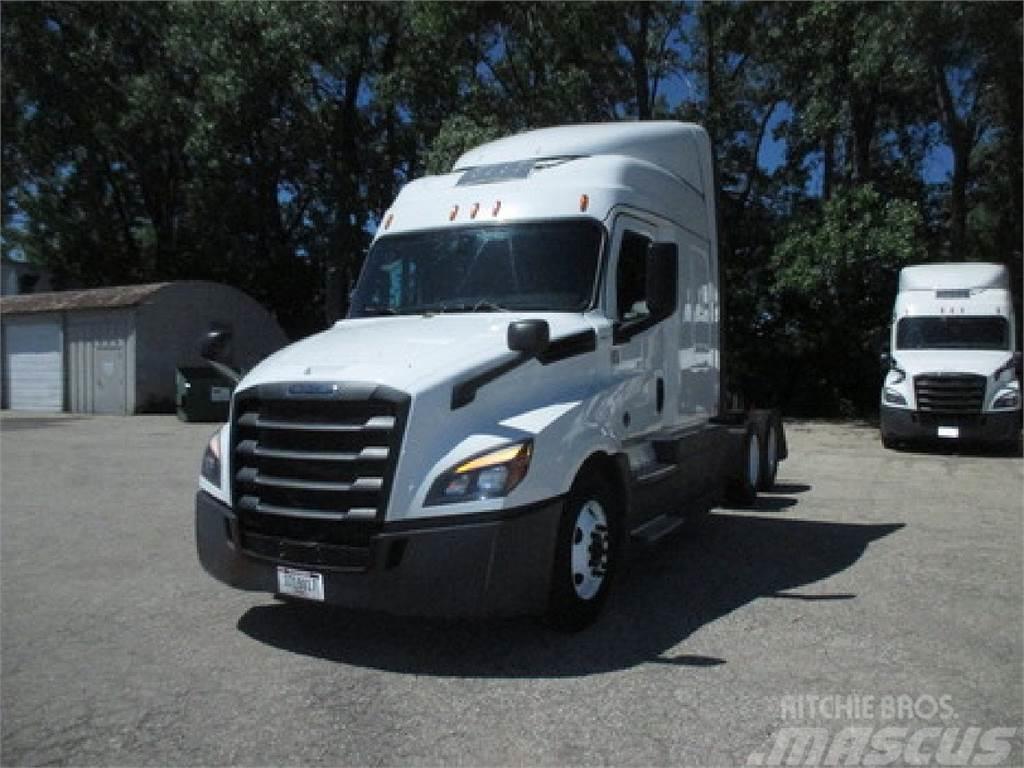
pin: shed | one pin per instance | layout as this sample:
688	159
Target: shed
115	350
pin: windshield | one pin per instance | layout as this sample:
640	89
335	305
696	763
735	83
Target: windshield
953	333
547	266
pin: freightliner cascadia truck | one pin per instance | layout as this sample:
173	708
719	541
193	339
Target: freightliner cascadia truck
952	365
528	381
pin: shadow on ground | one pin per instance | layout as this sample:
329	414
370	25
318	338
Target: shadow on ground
20	422
667	593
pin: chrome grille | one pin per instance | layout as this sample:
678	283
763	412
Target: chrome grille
314	469
949	393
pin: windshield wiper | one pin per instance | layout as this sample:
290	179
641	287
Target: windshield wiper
377	311
484	305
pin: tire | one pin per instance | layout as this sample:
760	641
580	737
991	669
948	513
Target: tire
769	465
582	574
746	476
888	441
1010	447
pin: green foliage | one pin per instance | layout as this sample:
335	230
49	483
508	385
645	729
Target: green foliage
457	135
835	275
258	143
859	241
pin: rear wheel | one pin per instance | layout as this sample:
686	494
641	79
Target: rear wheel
586	555
769	467
743	485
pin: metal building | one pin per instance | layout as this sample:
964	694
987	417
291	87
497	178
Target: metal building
115	350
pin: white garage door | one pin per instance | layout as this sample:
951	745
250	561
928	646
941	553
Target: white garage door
34	364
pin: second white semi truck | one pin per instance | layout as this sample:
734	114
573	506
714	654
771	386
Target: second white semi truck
528	379
952	369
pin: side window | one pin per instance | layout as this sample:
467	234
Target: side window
631	277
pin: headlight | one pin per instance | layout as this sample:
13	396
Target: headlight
1007	370
1009	398
210	468
899	375
486	476
892	397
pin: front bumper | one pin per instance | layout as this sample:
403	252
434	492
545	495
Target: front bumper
906	424
487	565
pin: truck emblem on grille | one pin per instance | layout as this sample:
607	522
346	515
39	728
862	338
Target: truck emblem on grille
312	388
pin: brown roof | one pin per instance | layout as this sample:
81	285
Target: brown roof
94	298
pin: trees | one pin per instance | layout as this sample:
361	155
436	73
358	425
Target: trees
206	141
259	143
835	273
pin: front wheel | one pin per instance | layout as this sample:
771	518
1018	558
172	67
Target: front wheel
586	555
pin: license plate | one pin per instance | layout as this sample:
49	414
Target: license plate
952	432
220	394
308	585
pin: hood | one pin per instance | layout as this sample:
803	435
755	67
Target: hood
410	353
981	362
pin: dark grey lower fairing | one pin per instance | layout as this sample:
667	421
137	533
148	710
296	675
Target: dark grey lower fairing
688	478
496	564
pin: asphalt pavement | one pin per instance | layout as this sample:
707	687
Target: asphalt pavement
868	579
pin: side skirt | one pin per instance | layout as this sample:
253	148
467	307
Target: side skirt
686	481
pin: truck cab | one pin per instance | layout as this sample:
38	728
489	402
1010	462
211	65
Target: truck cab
952	369
529	376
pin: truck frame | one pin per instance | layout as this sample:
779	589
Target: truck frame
529	381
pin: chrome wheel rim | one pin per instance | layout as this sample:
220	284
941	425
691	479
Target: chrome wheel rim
590	548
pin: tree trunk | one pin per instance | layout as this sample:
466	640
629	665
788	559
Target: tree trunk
864	112
828	148
961	136
641	76
710	74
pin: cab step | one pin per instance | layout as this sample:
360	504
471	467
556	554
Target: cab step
652	473
658	528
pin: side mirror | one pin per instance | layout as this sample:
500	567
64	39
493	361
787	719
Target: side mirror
334	295
214	345
531	337
885	357
213	348
662	279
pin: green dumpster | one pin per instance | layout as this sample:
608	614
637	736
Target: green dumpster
202	394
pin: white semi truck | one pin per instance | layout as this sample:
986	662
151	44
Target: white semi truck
528	379
952	371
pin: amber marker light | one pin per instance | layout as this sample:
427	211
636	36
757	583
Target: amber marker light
500	456
486	476
584	202
454	213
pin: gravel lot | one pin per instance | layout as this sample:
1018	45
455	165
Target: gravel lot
867	574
